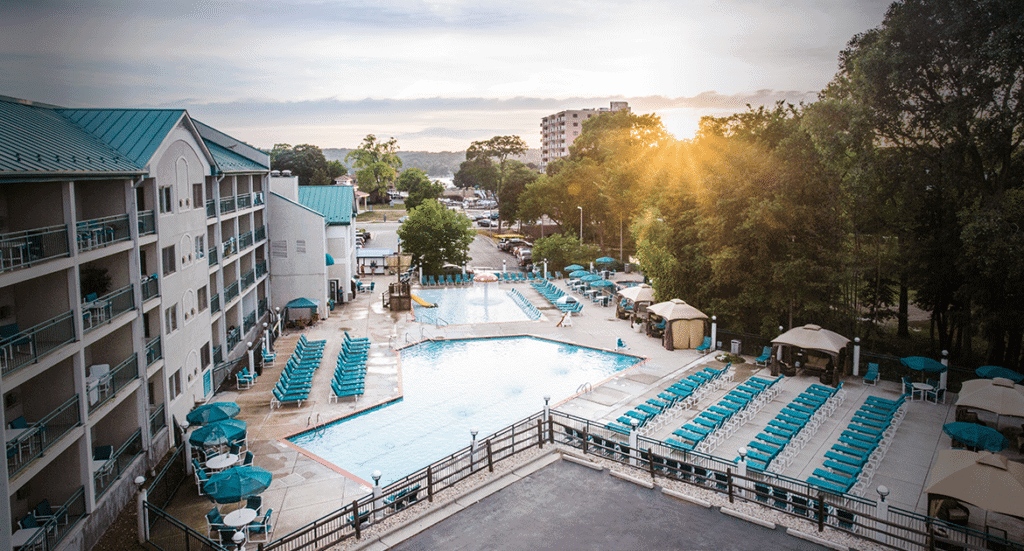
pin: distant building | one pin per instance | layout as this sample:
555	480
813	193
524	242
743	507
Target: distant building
558	131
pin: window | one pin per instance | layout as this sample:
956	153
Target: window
201	298
200	246
171	319
170	262
166	204
197	196
574	115
174	384
204	354
575	124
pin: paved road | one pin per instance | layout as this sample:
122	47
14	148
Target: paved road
483	252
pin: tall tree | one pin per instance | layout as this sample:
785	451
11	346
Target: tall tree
478	172
419	187
519	176
305	161
500	148
377	165
435	235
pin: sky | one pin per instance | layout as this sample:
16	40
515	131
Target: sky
434	74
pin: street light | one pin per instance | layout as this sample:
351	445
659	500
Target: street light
581	223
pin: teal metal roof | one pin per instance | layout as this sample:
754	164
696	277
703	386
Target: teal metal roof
336	203
136	133
38	141
229	161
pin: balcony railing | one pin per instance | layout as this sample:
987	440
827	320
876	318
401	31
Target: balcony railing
212	255
261	269
227	204
230	247
42	435
234	337
260	233
147	222
261	307
121	459
244	200
154	351
157	421
257	198
230	292
150	287
215	304
245	240
100	232
249	322
102	310
28	346
218	355
211	208
27	248
101	388
248	278
65	518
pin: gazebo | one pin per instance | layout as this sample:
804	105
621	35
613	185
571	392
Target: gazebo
826	349
684	324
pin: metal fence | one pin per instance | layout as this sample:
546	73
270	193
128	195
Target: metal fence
118	463
154	351
100	232
157	420
42	435
167	533
147	222
28	346
64	519
27	248
104	388
162	488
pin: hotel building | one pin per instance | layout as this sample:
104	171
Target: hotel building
558	131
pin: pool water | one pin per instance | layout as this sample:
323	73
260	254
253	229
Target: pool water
455	386
479	303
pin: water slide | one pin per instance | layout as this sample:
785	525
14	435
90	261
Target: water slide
422	302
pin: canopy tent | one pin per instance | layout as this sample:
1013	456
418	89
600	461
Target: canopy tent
993	371
999	396
212	412
986	480
684	324
302	304
813	338
639	296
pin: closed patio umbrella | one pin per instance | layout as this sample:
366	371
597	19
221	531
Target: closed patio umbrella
993	371
974	435
212	412
237	483
219	433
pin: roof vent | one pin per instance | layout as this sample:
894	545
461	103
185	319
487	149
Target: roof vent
286	173
275	172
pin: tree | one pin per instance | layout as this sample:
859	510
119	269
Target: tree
435	235
518	178
479	173
305	161
376	164
418	185
561	250
336	169
500	148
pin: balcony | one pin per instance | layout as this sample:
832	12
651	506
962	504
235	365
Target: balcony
212	255
230	292
65	518
218	355
157	420
111	469
227	204
243	200
33	441
261	269
211	208
102	310
28	248
248	279
245	240
261	307
147	223
100	387
249	322
150	287
230	247
260	233
257	199
154	351
215	304
234	337
20	348
100	232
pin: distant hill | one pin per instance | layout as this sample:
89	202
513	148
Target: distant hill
436	164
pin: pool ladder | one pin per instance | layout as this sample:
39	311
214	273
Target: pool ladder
318	429
584	388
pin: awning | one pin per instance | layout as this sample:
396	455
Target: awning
302	303
330	260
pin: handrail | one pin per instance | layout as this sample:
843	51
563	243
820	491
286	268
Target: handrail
43	434
28	346
29	247
119	377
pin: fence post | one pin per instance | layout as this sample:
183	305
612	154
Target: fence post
882	513
586	439
490	460
355	517
551	430
821	512
856	356
728	477
430	484
376	495
472	450
714	333
633	452
741	468
540	434
143	525
945	373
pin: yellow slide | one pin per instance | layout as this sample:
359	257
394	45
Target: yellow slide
422	302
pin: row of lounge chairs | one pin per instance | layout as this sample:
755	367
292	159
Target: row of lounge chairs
524	303
717	423
517	277
350	373
552	293
792	428
656	411
850	464
296	378
458	279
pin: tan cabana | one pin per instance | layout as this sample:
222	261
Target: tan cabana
684	324
813	338
986	480
999	396
639	296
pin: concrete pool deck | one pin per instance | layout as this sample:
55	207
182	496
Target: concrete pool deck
305	488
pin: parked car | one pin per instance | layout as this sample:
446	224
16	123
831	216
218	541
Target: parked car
485	223
363	233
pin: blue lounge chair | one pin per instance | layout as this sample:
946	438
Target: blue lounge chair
705	346
763	358
871	377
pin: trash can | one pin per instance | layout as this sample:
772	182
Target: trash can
735	347
627	268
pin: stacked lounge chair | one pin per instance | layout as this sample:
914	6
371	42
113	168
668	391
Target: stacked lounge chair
350	371
793	427
717	423
552	293
525	304
297	377
671	404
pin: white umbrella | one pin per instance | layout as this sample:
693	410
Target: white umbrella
813	337
638	293
999	396
986	480
676	309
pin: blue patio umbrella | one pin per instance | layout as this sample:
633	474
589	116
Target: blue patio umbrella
330	260
573	267
920	363
237	483
219	433
601	283
214	411
994	371
976	436
579	273
605	260
590	277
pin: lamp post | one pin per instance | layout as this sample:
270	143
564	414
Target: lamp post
581	223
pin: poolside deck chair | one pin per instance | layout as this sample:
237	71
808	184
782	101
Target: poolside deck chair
280	399
871	377
423	281
259	530
763	358
458	279
705	346
431	281
558	275
214	521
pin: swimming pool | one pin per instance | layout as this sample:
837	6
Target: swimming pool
452	387
473	304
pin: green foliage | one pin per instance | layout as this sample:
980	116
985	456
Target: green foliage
479	173
377	165
419	186
336	169
305	161
434	235
518	177
563	250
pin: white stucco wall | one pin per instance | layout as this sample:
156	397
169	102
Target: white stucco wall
296	274
285	186
341	244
